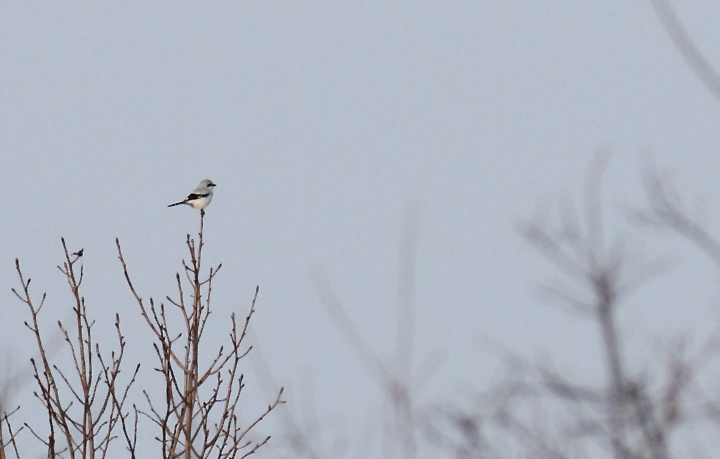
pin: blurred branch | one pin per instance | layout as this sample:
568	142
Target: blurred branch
687	47
396	380
637	423
303	444
666	210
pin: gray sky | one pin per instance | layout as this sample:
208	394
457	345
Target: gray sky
322	124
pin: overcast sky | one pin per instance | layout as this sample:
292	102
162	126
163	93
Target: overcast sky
324	125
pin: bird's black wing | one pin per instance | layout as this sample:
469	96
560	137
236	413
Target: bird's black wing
194	196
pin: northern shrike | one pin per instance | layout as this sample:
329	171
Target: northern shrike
200	197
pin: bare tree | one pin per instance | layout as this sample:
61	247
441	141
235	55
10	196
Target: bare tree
85	401
538	411
198	417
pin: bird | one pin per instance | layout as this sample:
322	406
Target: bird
200	197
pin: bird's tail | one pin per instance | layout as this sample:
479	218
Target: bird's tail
177	203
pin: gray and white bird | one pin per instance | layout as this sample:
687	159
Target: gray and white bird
200	197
